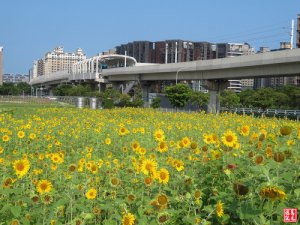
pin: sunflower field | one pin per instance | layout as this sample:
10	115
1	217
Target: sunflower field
140	166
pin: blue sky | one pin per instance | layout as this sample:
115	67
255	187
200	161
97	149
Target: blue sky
29	29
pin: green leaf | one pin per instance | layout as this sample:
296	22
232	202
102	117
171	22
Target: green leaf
225	219
247	211
208	208
15	210
297	192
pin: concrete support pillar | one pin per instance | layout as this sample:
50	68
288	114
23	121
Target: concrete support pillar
215	87
145	91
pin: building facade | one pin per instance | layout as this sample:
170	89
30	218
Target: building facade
168	51
1	65
15	78
57	60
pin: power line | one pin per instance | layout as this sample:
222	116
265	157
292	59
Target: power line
254	33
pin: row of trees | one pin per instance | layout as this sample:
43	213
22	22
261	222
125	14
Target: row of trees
75	90
15	89
285	97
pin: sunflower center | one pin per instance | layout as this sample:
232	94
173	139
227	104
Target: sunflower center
229	138
162	200
163	175
162	218
126	221
44	186
148	166
20	167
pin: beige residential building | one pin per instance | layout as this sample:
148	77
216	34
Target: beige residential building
57	60
1	65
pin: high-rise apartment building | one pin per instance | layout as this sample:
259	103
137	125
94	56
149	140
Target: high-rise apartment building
57	60
142	51
1	65
168	51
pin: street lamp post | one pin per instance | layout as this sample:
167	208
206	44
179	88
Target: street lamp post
177	73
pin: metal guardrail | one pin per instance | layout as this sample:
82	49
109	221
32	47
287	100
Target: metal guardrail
24	99
274	112
77	101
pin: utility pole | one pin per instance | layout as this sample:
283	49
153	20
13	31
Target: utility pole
166	56
176	51
292	34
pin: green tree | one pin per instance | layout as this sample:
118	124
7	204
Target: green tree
229	99
137	99
9	89
178	95
62	90
281	100
155	103
79	90
124	100
293	93
246	98
199	99
109	97
23	88
264	98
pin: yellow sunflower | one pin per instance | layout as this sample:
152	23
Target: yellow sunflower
219	209
5	138
273	193
245	130
21	134
186	142
32	136
142	151
123	131
135	146
91	193
44	186
21	167
178	164
56	158
159	135
208	138
107	141
229	138
128	219
162	146
149	167
163	176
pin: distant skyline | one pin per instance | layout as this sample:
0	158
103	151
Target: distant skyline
29	29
